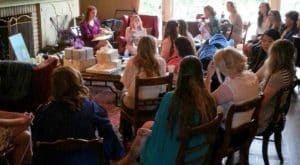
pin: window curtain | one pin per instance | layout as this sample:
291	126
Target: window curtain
167	10
136	5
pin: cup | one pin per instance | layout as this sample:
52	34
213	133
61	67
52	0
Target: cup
171	68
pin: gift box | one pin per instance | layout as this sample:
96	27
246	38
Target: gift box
79	59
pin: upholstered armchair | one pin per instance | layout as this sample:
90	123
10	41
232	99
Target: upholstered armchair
149	22
37	87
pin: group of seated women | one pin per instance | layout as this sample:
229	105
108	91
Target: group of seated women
71	113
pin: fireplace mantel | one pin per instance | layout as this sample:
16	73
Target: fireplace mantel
9	3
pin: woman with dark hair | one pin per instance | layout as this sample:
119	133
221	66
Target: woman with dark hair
183	47
278	71
167	45
236	22
291	28
259	52
275	20
263	23
213	26
70	114
190	104
91	28
183	31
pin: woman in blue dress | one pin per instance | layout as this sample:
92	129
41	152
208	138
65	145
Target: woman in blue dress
189	104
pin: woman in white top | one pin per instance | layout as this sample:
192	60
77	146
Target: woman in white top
236	21
278	71
240	84
134	32
145	64
263	22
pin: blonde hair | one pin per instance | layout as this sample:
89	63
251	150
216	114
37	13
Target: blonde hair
67	86
281	56
145	58
230	61
136	17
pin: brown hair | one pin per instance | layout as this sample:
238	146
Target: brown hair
87	12
145	58
210	10
67	86
281	56
190	96
184	47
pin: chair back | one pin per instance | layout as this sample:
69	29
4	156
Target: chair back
209	129
41	82
283	101
141	105
64	151
234	137
245	32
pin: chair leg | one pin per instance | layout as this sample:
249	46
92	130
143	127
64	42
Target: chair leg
278	138
244	154
265	149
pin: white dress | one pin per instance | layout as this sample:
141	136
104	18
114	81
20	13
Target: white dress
243	88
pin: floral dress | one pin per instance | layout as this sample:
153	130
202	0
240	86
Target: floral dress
5	135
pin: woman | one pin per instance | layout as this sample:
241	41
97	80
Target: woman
277	72
145	64
263	23
213	26
183	47
167	45
91	28
183	31
236	22
275	20
14	129
240	84
291	28
190	104
259	52
70	114
134	32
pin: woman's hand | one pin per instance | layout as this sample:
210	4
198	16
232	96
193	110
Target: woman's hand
211	69
28	118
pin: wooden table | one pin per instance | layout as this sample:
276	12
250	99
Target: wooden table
114	78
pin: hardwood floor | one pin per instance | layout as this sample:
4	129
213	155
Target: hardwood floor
290	139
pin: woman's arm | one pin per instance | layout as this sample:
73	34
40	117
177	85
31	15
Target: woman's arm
165	48
10	115
24	120
222	94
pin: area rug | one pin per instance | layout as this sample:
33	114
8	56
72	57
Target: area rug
106	98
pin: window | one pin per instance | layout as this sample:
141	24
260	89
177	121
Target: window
289	5
152	7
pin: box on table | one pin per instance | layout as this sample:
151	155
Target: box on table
79	58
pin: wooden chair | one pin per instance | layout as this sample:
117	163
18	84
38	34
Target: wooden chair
245	32
4	155
238	138
62	151
276	126
209	129
137	116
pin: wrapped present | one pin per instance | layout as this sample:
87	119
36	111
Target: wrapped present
79	59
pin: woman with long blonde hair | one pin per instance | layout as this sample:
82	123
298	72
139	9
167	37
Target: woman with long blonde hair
277	72
134	32
145	64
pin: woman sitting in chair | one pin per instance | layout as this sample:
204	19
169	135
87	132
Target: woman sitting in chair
240	84
277	72
145	64
134	32
14	131
91	28
190	104
70	114
167	45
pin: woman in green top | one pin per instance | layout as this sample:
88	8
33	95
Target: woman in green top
190	104
213	25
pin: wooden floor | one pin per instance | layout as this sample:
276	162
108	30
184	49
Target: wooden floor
290	139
